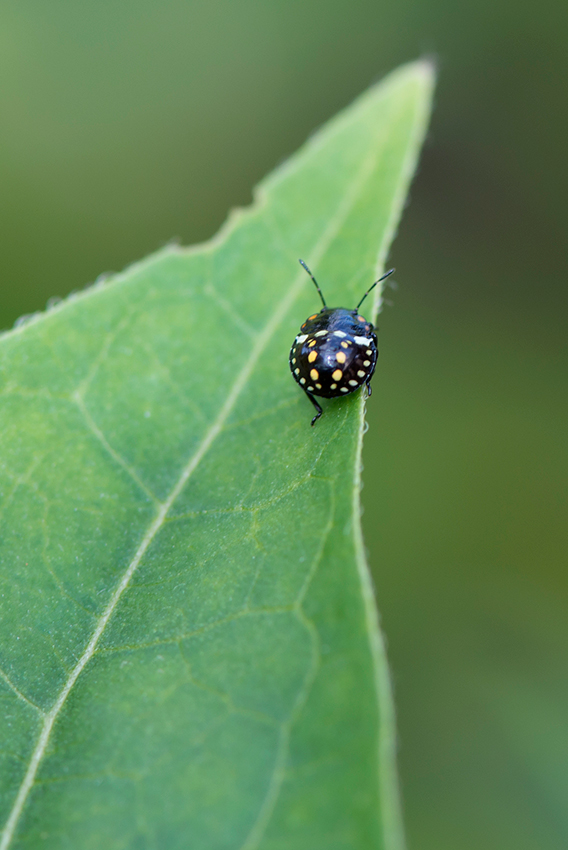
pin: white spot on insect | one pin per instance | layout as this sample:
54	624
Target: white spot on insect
302	380
362	340
310	389
296	371
301	338
366	362
333	387
339	333
353	383
369	352
344	390
321	333
361	374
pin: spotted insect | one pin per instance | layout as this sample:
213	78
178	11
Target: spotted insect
335	352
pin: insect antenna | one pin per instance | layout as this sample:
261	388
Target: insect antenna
371	287
302	263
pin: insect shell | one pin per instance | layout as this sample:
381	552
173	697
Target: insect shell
335	352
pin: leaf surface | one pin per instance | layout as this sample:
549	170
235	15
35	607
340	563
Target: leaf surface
190	655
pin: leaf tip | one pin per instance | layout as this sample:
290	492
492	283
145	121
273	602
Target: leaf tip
423	70
427	65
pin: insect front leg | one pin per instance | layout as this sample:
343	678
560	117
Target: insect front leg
316	405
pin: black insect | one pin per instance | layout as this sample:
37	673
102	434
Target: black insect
335	352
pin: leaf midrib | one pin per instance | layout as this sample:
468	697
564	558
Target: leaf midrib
262	340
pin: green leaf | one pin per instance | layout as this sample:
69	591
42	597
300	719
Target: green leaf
189	644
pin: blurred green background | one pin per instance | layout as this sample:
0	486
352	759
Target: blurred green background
125	124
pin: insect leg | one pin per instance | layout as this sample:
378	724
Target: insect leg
316	405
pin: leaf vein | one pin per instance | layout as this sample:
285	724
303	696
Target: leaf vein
225	697
96	431
231	311
22	697
266	811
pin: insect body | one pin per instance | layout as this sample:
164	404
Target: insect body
335	352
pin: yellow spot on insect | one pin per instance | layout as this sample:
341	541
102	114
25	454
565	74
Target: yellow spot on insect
314	374
313	355
369	352
360	319
318	386
312	317
296	371
337	375
345	344
293	360
366	362
302	380
311	343
333	387
361	374
340	357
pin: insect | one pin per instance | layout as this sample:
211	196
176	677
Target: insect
335	352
